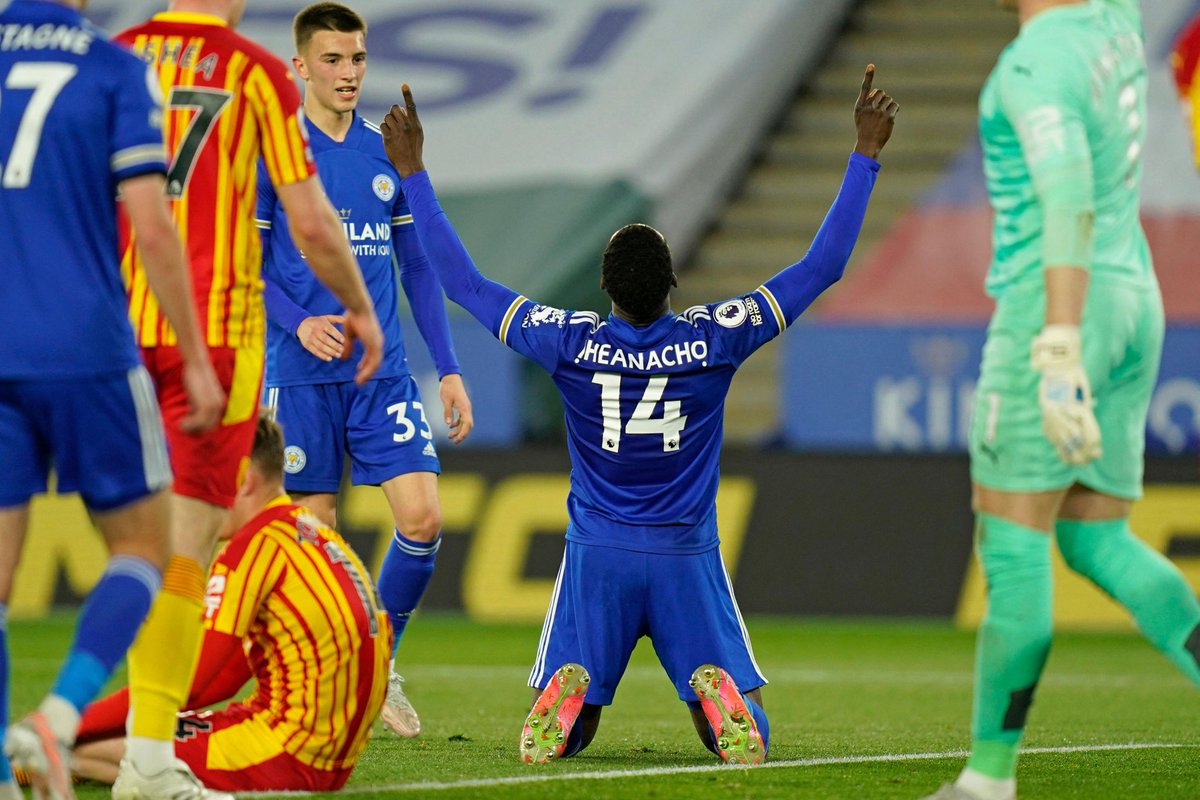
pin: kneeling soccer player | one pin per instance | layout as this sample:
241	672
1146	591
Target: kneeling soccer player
644	393
291	605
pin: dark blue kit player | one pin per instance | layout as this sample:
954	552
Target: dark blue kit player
644	396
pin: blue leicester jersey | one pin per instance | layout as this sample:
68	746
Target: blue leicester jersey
78	114
644	405
365	190
645	412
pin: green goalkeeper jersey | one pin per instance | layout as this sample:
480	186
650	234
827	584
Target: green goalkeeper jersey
1062	118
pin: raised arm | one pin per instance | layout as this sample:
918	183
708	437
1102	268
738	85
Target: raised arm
403	139
797	286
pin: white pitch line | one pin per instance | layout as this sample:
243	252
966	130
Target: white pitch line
650	772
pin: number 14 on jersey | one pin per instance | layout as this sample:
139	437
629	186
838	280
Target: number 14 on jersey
669	425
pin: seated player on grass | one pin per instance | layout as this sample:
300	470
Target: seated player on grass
290	605
644	393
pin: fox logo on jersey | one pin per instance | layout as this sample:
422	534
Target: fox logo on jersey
384	187
294	459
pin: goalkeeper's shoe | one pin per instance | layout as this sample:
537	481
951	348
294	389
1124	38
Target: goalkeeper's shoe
176	782
398	714
549	724
31	747
950	791
734	730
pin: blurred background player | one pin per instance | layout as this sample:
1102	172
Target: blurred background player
382	423
644	393
291	605
227	101
80	122
1185	65
1070	361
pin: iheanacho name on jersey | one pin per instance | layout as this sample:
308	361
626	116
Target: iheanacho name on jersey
672	355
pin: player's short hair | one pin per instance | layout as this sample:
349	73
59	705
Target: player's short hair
636	269
267	453
325	17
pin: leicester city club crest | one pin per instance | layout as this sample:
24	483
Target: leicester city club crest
384	186
294	459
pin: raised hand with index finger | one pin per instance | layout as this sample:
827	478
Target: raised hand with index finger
874	116
403	137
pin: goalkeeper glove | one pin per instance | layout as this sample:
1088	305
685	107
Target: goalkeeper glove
1068	418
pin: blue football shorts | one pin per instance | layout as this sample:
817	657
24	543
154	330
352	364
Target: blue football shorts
605	599
382	426
102	435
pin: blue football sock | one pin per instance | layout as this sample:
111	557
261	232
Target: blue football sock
760	719
407	568
574	739
110	620
5	770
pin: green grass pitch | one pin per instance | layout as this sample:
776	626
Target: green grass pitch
858	710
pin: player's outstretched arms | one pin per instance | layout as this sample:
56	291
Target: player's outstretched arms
318	234
167	274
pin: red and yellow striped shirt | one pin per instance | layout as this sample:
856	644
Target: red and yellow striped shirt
317	640
1185	63
228	101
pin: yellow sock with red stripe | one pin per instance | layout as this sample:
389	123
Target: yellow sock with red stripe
164	655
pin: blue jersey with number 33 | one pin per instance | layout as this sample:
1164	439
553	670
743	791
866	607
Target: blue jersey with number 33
77	116
645	405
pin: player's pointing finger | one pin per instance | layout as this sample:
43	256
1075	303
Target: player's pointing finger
409	104
868	78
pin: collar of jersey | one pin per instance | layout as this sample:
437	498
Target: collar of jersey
642	335
259	520
190	17
320	140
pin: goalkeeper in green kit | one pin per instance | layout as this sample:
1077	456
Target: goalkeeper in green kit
1069	365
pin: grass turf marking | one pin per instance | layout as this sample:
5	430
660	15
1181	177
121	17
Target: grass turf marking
540	776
